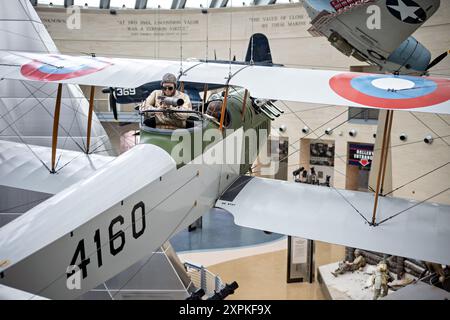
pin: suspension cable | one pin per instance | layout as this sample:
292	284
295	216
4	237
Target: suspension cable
413	206
439	116
448	145
423	175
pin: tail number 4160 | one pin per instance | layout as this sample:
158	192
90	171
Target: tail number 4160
116	239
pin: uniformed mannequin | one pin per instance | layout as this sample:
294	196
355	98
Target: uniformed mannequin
345	266
380	280
155	101
436	267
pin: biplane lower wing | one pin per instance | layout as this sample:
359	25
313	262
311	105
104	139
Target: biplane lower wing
27	167
107	222
327	214
381	91
8	293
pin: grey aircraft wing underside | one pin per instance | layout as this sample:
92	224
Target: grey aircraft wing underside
420	230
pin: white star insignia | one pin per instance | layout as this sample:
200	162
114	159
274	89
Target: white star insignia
406	11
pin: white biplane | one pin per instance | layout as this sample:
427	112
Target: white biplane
104	214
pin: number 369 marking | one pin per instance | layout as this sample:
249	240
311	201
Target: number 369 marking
116	239
125	92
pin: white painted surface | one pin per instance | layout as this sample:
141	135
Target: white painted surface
350	285
279	83
20	168
7	293
321	213
392	84
40	244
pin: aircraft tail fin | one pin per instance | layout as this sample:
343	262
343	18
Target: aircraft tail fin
259	50
27	108
21	29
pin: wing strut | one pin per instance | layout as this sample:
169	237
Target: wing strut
383	158
244	104
55	126
225	99
205	92
89	125
224	107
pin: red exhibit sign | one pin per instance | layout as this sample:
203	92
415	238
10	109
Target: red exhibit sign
364	162
360	155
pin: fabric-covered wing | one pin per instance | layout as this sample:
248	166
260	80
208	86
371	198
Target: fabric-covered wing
8	293
22	168
326	214
313	86
85	70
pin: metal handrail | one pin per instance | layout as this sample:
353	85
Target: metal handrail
202	278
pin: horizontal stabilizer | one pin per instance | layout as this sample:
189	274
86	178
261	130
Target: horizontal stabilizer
327	214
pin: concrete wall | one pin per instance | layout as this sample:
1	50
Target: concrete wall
156	34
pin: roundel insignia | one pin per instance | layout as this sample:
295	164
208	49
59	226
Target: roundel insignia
390	91
56	68
407	11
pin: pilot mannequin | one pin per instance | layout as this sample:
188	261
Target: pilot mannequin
214	109
155	101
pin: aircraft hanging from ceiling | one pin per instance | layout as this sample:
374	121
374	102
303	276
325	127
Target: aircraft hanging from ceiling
130	205
358	28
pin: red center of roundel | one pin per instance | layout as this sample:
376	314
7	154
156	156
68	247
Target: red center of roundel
364	162
57	67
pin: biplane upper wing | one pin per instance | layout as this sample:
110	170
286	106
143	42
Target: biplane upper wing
423	94
420	230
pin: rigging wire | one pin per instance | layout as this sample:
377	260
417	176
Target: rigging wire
59	124
413	206
181	44
440	117
351	204
20	103
418	119
207	31
49	96
153	253
32	151
314	131
229	47
70	128
421	176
